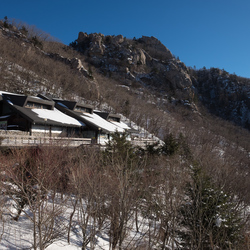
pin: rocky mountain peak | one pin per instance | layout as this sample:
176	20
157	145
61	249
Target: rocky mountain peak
154	43
144	61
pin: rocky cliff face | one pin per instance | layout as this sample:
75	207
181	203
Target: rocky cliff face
139	62
224	94
146	62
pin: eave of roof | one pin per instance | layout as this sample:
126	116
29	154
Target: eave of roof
93	121
104	115
69	104
15	99
33	117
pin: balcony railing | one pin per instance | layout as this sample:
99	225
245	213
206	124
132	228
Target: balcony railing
24	140
11	140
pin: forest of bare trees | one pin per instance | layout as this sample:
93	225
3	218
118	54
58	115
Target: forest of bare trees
161	197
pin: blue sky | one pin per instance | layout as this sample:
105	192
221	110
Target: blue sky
210	33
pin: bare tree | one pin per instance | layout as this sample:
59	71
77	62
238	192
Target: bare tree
89	196
123	168
34	185
3	200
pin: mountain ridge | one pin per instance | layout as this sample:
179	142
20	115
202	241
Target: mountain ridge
148	62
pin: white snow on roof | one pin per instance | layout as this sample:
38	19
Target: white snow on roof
102	123
58	116
9	93
120	124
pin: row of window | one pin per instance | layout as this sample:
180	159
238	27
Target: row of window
35	105
114	119
83	109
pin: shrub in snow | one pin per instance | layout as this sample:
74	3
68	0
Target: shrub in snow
209	218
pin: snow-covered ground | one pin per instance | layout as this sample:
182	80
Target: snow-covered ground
19	234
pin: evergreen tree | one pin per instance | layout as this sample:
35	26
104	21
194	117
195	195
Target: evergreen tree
24	30
170	146
119	149
6	22
209	217
37	42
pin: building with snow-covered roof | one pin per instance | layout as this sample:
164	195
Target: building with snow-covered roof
41	115
115	119
35	115
100	127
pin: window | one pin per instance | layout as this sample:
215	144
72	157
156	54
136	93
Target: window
35	105
83	109
114	119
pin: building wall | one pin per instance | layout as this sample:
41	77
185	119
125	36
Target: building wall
13	132
47	130
102	138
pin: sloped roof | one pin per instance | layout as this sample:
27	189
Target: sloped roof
72	104
14	99
59	112
55	116
101	123
93	120
119	123
69	104
22	100
51	116
104	115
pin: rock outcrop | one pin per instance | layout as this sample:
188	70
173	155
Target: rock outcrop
225	95
144	61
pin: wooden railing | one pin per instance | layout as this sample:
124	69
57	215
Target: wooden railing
24	140
143	142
